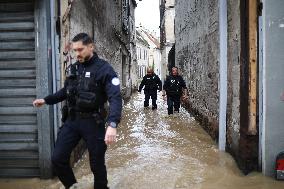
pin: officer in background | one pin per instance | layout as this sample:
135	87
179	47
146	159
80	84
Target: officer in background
174	88
152	83
90	83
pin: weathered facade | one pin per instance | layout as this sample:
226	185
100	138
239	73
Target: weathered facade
154	51
200	33
197	32
142	47
112	24
167	35
197	55
35	38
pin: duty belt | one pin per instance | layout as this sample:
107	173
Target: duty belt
85	114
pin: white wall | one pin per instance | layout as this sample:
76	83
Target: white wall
169	25
154	51
142	58
273	83
170	3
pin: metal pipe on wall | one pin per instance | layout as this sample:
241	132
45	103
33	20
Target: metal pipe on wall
260	91
53	64
223	25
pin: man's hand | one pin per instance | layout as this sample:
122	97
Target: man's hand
184	97
110	136
164	97
38	102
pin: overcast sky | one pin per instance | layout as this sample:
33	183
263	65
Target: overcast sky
147	13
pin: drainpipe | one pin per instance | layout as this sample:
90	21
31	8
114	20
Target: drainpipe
223	73
53	64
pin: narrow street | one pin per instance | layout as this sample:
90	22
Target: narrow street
223	56
157	152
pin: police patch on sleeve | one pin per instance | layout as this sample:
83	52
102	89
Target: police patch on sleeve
115	81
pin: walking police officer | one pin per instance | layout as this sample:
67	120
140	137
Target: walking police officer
90	83
152	83
175	88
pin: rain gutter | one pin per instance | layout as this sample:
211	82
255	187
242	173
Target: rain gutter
223	25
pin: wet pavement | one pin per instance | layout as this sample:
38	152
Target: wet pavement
155	151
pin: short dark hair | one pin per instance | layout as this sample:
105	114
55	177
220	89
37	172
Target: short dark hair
174	67
85	38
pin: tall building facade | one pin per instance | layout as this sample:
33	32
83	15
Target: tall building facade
167	35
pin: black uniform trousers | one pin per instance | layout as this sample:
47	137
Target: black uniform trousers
153	95
173	102
68	137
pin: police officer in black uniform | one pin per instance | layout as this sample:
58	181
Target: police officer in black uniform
90	83
174	88
152	83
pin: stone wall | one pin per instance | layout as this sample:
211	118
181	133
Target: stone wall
103	20
197	56
167	34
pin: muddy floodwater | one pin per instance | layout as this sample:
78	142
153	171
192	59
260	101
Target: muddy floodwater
155	151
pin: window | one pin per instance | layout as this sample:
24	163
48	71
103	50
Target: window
146	55
125	15
137	52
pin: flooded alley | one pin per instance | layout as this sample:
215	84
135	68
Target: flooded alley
159	152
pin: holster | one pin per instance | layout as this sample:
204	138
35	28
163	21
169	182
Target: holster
64	113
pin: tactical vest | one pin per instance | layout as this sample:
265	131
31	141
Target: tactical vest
84	94
174	86
150	83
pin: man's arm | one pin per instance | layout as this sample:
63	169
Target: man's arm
112	88
159	83
59	96
184	88
165	86
141	84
